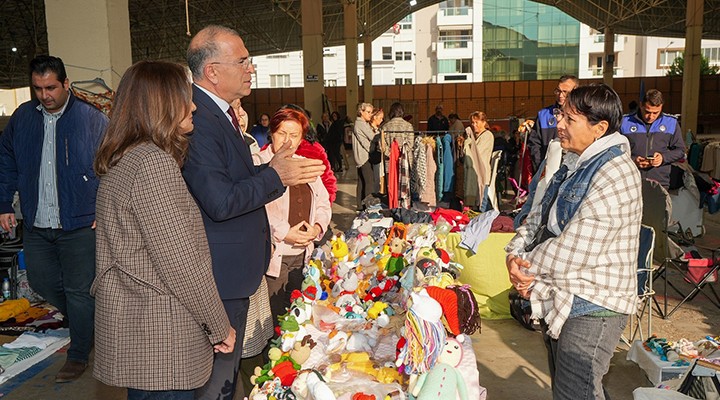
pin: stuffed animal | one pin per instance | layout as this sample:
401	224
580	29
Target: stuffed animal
396	263
310	385
443	381
339	247
302	349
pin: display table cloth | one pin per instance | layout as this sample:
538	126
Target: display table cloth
486	273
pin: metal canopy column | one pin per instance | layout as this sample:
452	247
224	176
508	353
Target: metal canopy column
367	82
91	37
351	56
312	43
609	50
691	69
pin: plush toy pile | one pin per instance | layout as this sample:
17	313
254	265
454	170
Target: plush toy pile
380	316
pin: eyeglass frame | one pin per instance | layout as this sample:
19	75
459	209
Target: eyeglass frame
558	92
558	114
245	62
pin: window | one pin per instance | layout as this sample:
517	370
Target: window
398	56
712	55
387	53
455	39
398	81
455	66
666	57
403	81
330	82
406	23
408	81
279	81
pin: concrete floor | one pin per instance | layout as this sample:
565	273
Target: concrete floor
511	360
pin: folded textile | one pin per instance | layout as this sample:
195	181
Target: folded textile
11	308
32	339
9	357
477	230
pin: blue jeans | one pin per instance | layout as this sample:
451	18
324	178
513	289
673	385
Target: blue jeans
137	394
580	357
61	268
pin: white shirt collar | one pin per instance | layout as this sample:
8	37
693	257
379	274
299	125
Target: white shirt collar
224	105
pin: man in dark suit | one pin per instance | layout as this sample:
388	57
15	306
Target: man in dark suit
229	190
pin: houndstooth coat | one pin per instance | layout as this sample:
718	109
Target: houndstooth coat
158	311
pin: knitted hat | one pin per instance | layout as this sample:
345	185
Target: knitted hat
449	302
426	307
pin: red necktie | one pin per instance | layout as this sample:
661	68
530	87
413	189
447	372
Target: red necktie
248	140
234	119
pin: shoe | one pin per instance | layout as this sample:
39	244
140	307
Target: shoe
70	371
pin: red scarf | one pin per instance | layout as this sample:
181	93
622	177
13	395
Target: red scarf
317	152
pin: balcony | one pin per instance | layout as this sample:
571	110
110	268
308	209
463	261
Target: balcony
598	72
454	46
455	16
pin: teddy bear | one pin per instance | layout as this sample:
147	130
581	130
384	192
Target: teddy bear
443	381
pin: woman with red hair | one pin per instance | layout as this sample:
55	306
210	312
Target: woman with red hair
297	218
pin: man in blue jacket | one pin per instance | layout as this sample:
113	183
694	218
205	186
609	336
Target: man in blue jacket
545	128
231	192
655	138
46	154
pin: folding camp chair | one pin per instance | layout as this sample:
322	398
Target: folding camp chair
657	209
645	286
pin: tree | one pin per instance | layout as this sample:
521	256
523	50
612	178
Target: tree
676	69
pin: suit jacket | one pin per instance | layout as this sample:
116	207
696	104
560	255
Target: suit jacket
157	310
278	210
231	193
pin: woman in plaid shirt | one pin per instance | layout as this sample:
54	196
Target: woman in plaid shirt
575	258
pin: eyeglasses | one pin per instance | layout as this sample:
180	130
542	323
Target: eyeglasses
557	92
244	62
558	114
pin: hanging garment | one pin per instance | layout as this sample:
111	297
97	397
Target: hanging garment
392	175
427	195
404	176
418	167
448	171
440	173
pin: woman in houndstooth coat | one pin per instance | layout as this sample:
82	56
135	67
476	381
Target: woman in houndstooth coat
159	316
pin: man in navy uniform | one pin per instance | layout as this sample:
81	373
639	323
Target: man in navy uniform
545	128
655	138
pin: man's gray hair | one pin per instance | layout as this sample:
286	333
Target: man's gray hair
199	53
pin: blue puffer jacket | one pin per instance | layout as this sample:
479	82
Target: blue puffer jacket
78	136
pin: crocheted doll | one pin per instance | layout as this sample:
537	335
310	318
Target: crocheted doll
443	381
424	332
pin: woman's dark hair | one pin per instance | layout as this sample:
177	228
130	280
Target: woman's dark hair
396	111
334	116
597	102
152	99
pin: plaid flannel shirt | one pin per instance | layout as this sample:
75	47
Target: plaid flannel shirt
595	256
